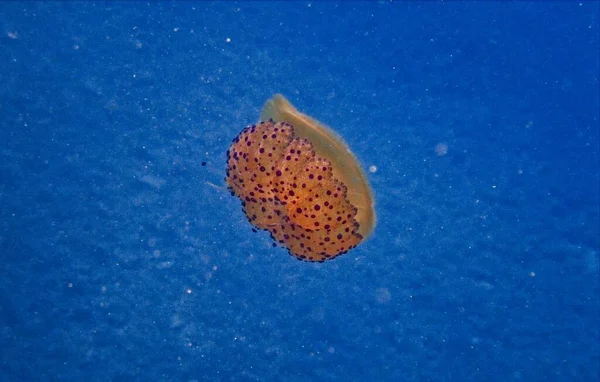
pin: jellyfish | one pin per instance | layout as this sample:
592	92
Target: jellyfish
298	180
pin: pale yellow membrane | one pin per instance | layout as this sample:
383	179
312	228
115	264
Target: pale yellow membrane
332	147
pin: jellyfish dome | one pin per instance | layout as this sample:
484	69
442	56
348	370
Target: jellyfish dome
298	180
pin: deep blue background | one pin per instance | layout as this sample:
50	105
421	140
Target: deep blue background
123	258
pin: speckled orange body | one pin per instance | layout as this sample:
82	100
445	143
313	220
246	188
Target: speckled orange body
289	190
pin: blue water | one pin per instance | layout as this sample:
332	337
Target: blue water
123	258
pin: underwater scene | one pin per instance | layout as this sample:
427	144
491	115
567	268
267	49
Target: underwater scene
299	191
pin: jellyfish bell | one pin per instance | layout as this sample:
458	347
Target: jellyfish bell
299	180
